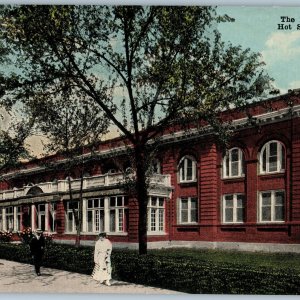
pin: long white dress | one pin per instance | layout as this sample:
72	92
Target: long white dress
102	269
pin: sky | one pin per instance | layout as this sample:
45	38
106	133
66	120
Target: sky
257	28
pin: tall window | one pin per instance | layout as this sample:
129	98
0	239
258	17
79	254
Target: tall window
19	218
70	218
95	215
9	215
187	210
233	208
233	163
187	169
41	216
156	214
118	214
52	216
271	206
272	158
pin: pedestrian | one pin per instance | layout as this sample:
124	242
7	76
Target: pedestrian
37	248
102	253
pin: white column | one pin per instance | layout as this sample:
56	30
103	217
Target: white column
106	214
15	217
84	221
47	227
33	215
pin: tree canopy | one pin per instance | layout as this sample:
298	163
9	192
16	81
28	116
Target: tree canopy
145	67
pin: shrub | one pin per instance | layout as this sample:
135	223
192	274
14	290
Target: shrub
185	274
5	236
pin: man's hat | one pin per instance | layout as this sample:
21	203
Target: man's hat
102	234
39	230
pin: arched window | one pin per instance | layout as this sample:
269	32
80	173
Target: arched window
272	157
233	163
187	169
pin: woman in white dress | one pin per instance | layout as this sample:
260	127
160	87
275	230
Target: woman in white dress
102	269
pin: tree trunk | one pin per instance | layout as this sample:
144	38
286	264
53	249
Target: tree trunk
77	241
142	197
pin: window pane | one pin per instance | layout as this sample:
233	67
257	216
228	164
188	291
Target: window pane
273	149
228	215
264	162
112	221
240	214
266	199
229	203
101	229
240	201
193	215
189	172
90	203
227	166
184	203
184	216
119	201
90	221
279	213
153	201
161	202
112	201
96	203
235	168
273	163
194	203
279	198
161	220
234	155
266	214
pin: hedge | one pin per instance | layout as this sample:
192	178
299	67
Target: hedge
184	274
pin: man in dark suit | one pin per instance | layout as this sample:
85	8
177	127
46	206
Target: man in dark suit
37	247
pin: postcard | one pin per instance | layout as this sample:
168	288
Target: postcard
149	150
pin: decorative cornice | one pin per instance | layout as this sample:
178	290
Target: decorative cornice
191	134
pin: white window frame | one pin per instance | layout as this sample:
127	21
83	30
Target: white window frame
52	211
227	173
183	169
189	210
96	213
156	215
235	208
9	217
272	206
281	153
41	213
120	213
18	218
67	212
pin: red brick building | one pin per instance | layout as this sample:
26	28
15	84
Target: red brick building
247	197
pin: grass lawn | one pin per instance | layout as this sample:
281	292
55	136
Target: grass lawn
280	261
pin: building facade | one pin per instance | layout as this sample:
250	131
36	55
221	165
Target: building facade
246	197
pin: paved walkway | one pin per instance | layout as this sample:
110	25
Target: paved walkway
20	278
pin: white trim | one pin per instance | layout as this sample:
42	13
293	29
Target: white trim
183	170
272	206
279	153
189	210
234	208
240	162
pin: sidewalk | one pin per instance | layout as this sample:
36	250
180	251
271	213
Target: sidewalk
21	278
